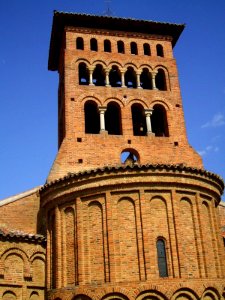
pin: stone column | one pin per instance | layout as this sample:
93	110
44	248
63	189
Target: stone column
153	80
107	77
102	110
148	113
91	70
123	78
138	73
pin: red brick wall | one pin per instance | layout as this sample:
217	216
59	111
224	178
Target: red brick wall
97	150
21	214
116	219
22	270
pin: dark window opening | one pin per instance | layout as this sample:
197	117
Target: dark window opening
107	46
115	77
159	50
130	78
146	79
94	45
99	76
147	50
92	120
80	43
160	80
138	120
120	47
133	48
159	121
113	119
161	254
83	74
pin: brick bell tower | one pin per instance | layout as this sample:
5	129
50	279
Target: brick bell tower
130	211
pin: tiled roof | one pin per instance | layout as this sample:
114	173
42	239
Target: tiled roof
19	196
153	167
17	235
62	19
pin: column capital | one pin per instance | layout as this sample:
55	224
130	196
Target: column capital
102	109
138	72
154	73
148	111
91	68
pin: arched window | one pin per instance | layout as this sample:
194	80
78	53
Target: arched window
113	119
107	46
133	48
161	254
147	50
138	120
94	45
80	43
115	77
92	120
159	50
129	157
146	79
159	121
83	74
130	78
160	80
99	76
120	47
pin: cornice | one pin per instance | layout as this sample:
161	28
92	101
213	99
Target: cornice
119	34
126	171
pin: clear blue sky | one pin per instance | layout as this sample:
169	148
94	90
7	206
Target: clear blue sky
28	91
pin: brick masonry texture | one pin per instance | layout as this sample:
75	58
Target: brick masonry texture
92	232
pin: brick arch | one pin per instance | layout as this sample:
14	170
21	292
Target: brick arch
80	60
92	98
141	67
34	296
124	292
162	102
132	65
115	296
95	202
156	67
138	101
185	292
115	63
159	197
126	198
9	295
211	292
132	151
67	208
38	254
21	254
151	294
99	62
117	100
187	200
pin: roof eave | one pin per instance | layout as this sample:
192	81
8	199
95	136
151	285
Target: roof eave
61	19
